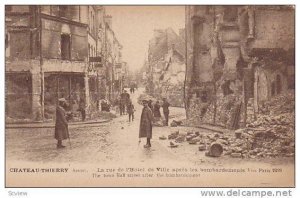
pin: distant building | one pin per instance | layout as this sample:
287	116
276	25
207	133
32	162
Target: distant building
166	62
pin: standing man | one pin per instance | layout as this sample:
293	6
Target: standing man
61	123
150	105
156	111
127	98
82	109
130	110
146	124
165	107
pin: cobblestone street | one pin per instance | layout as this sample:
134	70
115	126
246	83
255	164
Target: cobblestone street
112	142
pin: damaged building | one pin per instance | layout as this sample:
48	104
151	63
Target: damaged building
166	66
238	57
54	51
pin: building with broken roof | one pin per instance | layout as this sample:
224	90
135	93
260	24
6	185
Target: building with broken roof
238	58
166	66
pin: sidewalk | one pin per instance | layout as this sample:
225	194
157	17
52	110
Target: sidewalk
52	124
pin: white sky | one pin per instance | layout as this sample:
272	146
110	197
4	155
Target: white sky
134	25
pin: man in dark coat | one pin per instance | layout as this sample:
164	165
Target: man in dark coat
156	110
150	105
146	124
130	111
166	111
61	124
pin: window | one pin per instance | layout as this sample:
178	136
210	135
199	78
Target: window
65	47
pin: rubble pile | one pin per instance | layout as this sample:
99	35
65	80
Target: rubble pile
284	103
271	135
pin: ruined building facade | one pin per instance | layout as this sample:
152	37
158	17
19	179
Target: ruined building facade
52	52
238	57
166	66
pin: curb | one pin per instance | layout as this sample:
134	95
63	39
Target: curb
52	125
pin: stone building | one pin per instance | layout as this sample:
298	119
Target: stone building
52	52
166	65
238	57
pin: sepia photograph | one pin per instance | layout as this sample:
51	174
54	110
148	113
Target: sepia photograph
149	96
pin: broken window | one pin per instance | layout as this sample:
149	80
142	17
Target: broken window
65	47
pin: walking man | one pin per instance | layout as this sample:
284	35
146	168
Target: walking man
146	124
61	123
165	107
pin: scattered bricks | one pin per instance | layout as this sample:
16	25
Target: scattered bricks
224	138
178	123
197	133
223	142
237	149
174	124
180	139
238	133
162	137
189	137
261	154
158	123
216	135
173	145
236	155
215	150
172	136
193	141
202	147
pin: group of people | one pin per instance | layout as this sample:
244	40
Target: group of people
126	106
149	114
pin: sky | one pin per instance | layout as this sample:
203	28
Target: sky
134	25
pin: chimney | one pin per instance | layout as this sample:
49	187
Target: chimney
108	20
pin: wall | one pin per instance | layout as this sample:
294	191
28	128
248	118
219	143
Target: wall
51	37
274	28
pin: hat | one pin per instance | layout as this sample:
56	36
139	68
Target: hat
62	100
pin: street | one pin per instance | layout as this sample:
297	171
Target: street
114	142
